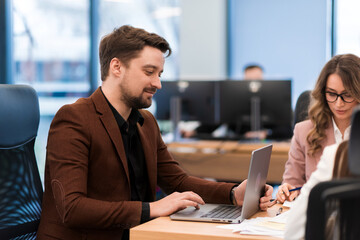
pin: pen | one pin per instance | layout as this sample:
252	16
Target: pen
294	189
272	202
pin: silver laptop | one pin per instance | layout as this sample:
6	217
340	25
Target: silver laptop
259	166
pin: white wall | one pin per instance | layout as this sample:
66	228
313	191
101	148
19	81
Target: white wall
203	40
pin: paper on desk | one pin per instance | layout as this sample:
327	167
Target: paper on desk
288	204
281	218
265	226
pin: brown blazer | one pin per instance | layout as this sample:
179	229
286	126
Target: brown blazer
300	165
87	188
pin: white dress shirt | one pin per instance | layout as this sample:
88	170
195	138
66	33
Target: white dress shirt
295	225
338	136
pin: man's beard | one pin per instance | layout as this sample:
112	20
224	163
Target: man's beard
138	102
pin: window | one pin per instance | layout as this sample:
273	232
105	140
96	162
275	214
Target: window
347	27
51	46
161	17
51	53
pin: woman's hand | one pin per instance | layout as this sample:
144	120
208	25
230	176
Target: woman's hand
285	194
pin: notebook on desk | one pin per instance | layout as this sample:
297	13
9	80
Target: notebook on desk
258	170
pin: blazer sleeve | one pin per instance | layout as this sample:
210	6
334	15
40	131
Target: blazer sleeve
69	143
171	177
295	166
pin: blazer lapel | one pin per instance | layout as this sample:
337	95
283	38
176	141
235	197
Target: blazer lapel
107	118
329	140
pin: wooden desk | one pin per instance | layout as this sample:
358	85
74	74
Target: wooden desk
226	160
164	229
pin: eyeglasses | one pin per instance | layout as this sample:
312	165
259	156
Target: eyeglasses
333	97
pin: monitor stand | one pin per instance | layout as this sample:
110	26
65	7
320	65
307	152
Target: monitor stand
255	115
175	116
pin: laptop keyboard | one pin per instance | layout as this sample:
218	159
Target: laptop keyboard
224	212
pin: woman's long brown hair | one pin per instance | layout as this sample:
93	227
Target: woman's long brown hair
347	66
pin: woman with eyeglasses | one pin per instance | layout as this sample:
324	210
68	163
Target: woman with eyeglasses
336	93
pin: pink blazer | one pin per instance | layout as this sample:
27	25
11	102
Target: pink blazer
87	187
300	165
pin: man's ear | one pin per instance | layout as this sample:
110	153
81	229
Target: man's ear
116	67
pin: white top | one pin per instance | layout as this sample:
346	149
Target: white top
338	136
295	225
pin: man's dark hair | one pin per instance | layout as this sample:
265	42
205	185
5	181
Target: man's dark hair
252	66
125	43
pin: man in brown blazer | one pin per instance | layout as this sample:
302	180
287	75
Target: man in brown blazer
105	156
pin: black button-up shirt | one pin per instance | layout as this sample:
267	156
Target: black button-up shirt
134	154
140	190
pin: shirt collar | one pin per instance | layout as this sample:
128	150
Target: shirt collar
134	117
338	136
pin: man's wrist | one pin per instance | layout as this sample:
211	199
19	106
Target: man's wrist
233	198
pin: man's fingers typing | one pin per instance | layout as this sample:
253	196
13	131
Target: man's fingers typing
175	202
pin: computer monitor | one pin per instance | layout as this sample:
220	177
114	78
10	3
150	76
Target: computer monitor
254	105
197	100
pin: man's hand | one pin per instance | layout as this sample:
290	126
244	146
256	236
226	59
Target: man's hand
261	134
264	200
284	194
239	193
174	202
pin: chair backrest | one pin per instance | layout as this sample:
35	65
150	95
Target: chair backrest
302	106
333	210
20	184
354	143
336	202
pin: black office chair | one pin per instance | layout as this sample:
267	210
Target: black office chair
333	208
20	184
302	106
